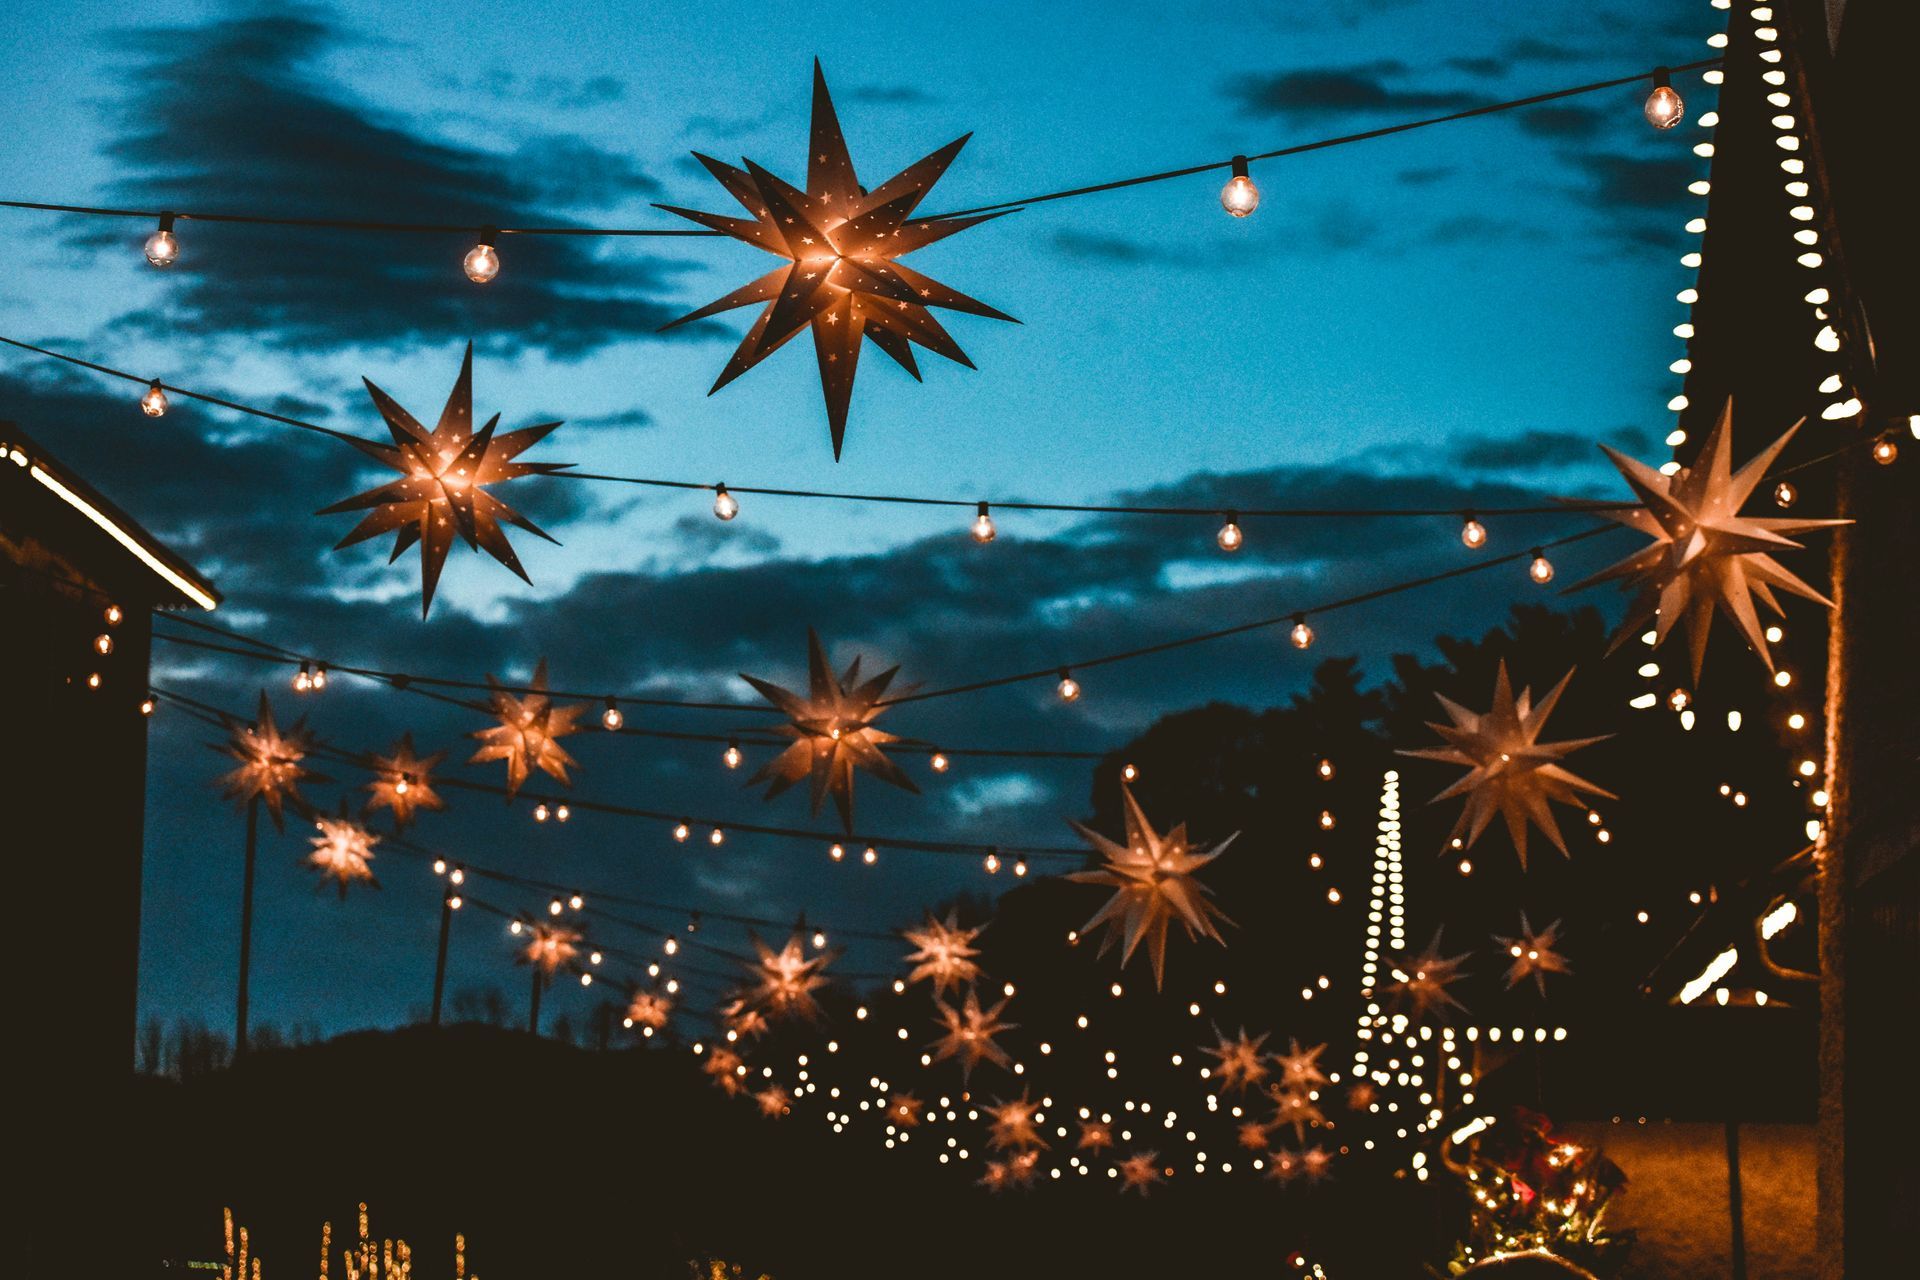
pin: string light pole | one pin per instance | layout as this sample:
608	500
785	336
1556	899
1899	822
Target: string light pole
449	903
246	929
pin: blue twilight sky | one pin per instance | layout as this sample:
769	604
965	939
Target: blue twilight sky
1445	317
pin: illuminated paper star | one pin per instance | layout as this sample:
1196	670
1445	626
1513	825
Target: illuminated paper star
1300	1068
1533	955
1253	1135
343	852
1011	1124
726	1069
650	1009
1140	1172
1238	1063
270	768
943	953
550	947
785	980
774	1101
403	782
745	1021
1510	771
841	243
1309	1163
1361	1095
1420	984
1153	883
1703	550
528	732
903	1109
968	1034
1296	1107
442	490
1095	1135
832	731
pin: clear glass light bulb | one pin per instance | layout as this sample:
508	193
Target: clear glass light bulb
1885	451
612	718
1473	533
983	530
870	855
1069	687
320	676
1784	493
1302	634
732	755
681	832
1240	197
1230	537
939	762
1541	570
725	505
482	263
103	644
154	402
161	247
716	837
1664	108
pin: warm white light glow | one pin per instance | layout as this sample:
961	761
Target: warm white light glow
1240	196
121	536
983	530
482	262
154	402
725	505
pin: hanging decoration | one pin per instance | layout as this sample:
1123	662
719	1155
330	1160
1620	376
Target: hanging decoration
726	1070
774	1101
1300	1068
403	782
270	768
1240	1063
343	852
968	1032
832	731
649	1010
1010	1125
1297	1107
1533	955
1095	1135
1140	1172
1703	550
1420	984
528	734
944	953
1309	1162
443	486
785	980
1511	772
842	279
550	947
903	1110
743	1020
1153	880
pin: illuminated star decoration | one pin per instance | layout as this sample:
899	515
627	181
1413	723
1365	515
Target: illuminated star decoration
1140	1171
1703	550
774	1101
649	1010
343	852
1095	1135
403	782
785	980
1297	1108
1309	1163
442	490
968	1034
1253	1135
1420	983
550	947
1015	1170
832	731
1533	955
725	1067
1011	1124
1153	883
903	1109
1238	1063
841	242
944	953
270	768
1300	1068
1510	771
528	732
741	1018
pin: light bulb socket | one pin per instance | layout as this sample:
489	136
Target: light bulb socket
984	511
1662	78
166	222
1240	167
488	235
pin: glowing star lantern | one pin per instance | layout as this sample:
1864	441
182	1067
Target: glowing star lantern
343	852
785	980
903	1109
1309	1163
1011	1125
650	1009
1420	984
1511	772
944	953
745	1021
1095	1135
774	1101
1140	1172
1295	1107
1533	955
270	768
723	1066
968	1034
1252	1135
1300	1068
1703	550
1152	877
528	734
832	731
443	487
403	782
550	947
841	277
1239	1063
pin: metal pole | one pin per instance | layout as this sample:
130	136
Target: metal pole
246	930
1734	1213
440	956
533	1006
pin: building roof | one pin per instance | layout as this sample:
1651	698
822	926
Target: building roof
175	583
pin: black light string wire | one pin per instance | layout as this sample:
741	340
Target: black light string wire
890	843
374	225
1215	511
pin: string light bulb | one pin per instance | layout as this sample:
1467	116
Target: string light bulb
732	755
1302	634
1240	197
716	837
681	830
320	675
1230	537
725	505
103	644
612	718
154	402
870	855
1784	493
303	680
482	262
146	705
1664	107
939	762
1885	451
1069	687
983	530
1541	570
1473	534
161	247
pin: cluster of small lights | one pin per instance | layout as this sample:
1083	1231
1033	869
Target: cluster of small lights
311	678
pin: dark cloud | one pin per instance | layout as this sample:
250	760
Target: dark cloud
1094	246
896	95
1540	450
620	419
1515	53
1636	182
1481	66
1561	123
239	113
1332	91
1427	176
1475	228
566	93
